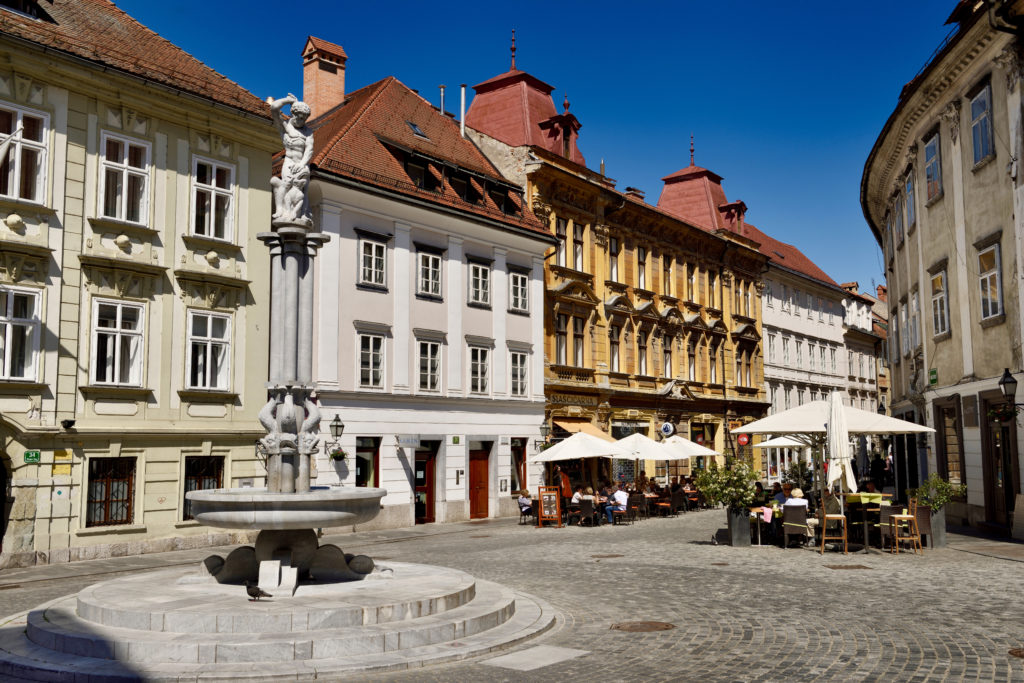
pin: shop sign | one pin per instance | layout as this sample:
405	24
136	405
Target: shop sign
574	400
743	439
933	377
31	456
408	440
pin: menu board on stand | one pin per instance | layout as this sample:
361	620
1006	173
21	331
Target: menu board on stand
550	502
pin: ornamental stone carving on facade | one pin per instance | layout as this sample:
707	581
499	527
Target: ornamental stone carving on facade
1009	61
911	158
951	115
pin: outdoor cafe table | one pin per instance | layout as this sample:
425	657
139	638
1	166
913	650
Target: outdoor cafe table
758	513
865	498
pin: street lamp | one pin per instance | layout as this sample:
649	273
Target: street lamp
337	427
1008	385
545	430
881	407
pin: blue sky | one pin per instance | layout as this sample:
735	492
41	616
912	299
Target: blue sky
784	99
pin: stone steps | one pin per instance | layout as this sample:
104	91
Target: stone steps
21	658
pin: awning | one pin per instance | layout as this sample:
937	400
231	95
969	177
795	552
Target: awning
575	426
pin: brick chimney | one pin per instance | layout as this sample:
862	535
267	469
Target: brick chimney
882	293
323	75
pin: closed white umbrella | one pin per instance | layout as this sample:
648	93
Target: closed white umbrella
581	445
837	440
682	448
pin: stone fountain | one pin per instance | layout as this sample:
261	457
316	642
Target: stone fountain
330	613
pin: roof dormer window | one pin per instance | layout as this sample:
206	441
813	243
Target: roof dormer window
416	130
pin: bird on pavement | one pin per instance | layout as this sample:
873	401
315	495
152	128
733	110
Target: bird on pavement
255	592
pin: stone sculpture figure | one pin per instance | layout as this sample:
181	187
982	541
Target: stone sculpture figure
291	201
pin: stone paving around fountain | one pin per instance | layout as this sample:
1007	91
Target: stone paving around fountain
739	614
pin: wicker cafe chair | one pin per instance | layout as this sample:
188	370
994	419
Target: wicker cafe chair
885	513
826	520
637	506
678	502
794	523
526	515
587	512
664	506
908	522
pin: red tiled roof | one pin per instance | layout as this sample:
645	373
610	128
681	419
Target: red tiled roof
99	32
349	140
325	46
511	106
694	193
787	255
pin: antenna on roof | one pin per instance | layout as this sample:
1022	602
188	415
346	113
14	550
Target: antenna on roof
691	149
513	50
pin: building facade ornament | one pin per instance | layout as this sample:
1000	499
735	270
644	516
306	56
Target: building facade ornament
1009	61
911	158
951	115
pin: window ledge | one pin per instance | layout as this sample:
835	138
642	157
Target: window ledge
942	337
984	161
370	287
107	223
12	204
643	293
186	524
993	321
477	304
20	385
197	242
104	391
518	311
429	297
207	396
112	529
928	204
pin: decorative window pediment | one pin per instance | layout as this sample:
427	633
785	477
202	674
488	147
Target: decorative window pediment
120	278
207	290
23	262
576	292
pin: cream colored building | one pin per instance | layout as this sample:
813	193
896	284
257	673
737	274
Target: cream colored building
943	192
133	291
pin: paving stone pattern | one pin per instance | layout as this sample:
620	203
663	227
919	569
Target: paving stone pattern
766	615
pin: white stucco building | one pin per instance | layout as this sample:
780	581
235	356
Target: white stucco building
429	318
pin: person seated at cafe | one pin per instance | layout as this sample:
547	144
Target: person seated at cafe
577	496
641	482
525	503
688	486
776	489
785	494
654	488
869	486
618	501
588	494
797	499
759	494
676	486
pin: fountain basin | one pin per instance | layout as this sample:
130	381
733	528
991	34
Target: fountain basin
256	508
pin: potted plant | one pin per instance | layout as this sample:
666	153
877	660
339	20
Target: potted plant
734	488
933	494
338	454
1004	412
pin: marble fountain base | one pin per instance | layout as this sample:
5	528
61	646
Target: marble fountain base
176	624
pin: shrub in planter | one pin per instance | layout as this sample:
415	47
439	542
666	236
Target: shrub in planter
934	494
733	487
338	455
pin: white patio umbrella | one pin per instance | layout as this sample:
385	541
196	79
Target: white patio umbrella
682	448
581	445
837	441
642	447
780	442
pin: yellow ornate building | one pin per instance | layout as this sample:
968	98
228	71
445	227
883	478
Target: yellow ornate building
650	320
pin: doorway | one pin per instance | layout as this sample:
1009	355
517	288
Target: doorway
999	467
6	499
367	461
424	482
479	473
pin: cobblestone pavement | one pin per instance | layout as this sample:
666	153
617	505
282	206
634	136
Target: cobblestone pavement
740	614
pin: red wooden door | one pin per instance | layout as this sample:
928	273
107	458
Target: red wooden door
478	484
424	487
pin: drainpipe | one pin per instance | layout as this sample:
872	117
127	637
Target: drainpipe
442	86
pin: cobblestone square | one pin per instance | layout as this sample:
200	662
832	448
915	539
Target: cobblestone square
757	614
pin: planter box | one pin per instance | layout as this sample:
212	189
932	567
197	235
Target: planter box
933	524
739	526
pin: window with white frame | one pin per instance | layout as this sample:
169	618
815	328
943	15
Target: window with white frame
641	353
850	369
613	259
209	355
915	325
905	339
666	355
479	284
908	196
785	298
519	288
117	343
518	369
897	213
785	351
799	353
125	179
739	367
577	245
577	341
429	280
940	307
810	356
713	290
560	233
932	167
666	274
771	348
821	310
769	295
430	365
821	357
641	268
479	369
981	124
372	262
787	391
23	172
614	334
691	283
775	397
810	305
833	360
371	361
213	187
19	333
713	353
990	282
561	339
691	360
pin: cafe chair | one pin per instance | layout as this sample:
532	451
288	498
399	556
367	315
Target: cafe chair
623	516
885	513
526	515
587	513
678	502
637	505
907	523
665	507
794	523
826	520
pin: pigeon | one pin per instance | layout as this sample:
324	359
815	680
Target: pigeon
714	539
255	592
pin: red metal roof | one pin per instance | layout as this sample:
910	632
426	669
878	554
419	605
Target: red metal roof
352	140
512	106
97	31
694	194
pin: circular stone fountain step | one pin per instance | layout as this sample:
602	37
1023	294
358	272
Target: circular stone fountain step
412	592
496	618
